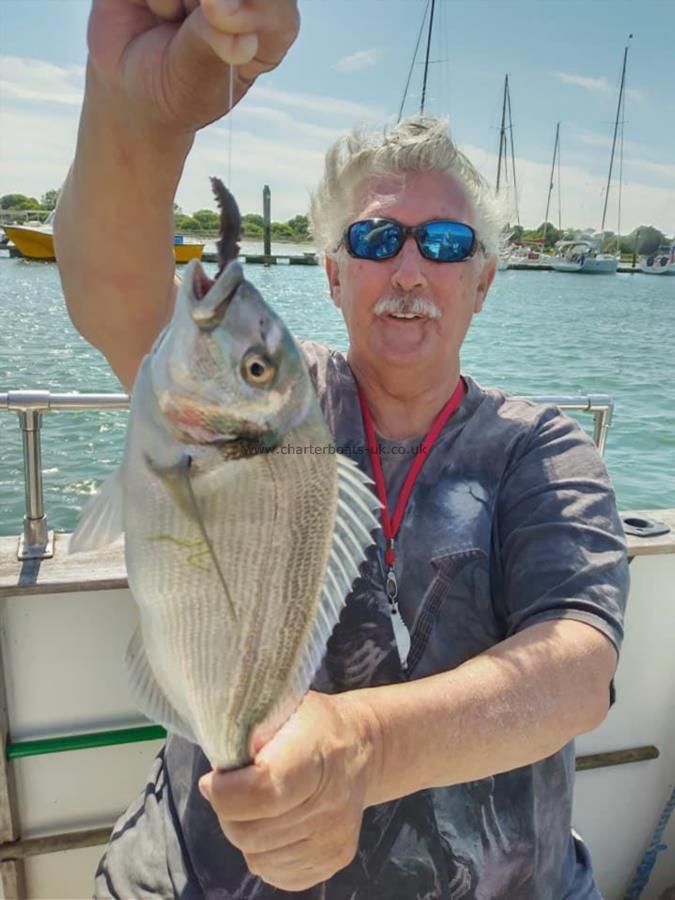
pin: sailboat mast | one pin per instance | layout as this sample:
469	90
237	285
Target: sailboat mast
426	61
550	185
513	155
502	135
616	129
412	64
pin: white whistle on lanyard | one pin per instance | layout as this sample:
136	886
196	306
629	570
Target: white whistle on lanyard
401	633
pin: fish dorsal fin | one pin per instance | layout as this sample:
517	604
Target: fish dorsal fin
352	535
101	521
148	695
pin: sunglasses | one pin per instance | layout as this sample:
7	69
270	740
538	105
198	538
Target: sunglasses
440	240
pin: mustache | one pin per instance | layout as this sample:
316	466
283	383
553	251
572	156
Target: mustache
411	305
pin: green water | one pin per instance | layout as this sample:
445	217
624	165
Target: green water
540	333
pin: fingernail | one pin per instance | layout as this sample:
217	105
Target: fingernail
228	7
204	788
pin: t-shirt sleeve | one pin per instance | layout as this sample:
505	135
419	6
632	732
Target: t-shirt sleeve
561	545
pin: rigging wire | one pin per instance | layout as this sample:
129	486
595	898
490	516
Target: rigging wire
618	224
559	190
412	64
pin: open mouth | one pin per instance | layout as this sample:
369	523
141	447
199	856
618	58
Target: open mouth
404	316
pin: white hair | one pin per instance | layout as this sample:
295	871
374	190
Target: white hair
415	144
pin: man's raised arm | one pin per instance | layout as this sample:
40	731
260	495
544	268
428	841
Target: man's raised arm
158	71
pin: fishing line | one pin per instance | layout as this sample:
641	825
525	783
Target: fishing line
229	128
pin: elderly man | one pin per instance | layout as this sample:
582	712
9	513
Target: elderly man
434	757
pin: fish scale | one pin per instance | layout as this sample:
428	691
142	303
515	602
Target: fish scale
240	547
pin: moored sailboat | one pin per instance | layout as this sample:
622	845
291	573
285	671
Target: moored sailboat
585	256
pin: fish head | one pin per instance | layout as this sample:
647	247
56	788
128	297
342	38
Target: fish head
226	373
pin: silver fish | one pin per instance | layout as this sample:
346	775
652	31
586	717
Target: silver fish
243	530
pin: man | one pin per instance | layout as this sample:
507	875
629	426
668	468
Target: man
434	758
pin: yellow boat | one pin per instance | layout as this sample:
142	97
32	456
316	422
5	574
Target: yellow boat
184	251
37	242
32	241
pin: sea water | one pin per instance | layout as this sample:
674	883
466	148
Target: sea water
540	333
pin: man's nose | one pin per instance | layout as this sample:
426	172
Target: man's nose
408	273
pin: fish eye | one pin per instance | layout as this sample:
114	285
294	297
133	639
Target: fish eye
257	369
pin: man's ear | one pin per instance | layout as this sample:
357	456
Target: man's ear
333	275
486	279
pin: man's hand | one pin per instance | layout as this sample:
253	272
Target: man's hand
295	813
170	59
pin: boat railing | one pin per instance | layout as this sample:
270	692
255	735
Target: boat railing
36	541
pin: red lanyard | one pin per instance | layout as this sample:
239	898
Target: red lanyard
390	525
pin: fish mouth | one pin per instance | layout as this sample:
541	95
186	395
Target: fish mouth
201	283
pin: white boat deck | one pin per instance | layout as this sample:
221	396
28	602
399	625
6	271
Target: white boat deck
76	616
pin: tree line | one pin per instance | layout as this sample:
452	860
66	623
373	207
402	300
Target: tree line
207	222
643	240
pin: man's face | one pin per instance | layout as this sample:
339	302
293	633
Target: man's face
456	290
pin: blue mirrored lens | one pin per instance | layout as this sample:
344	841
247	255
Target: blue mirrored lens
375	239
445	241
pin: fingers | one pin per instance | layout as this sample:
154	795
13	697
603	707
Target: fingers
256	792
236	49
265	835
167	9
302	864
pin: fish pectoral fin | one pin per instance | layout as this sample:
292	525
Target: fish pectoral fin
148	695
175	480
102	520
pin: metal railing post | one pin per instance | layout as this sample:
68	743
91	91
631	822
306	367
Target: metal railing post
603	419
36	542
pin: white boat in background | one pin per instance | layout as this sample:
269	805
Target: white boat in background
583	256
525	257
660	263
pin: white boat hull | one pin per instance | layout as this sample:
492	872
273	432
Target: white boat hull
660	265
73	680
604	264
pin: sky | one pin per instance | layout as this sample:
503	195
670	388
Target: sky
349	67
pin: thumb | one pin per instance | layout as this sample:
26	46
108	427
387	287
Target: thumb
208	42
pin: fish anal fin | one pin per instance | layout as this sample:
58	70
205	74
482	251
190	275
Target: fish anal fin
148	695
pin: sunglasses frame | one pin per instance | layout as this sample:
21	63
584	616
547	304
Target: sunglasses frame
411	230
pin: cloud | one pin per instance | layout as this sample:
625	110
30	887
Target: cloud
662	170
594	139
597	85
362	59
582	196
36	147
34	80
330	106
281	119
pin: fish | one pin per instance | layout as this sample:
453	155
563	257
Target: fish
243	527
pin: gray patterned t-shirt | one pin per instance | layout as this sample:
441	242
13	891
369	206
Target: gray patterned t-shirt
512	521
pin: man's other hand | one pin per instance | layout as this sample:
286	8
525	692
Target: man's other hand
296	812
